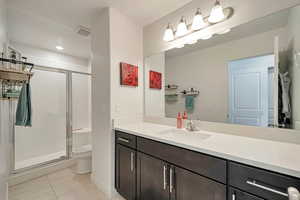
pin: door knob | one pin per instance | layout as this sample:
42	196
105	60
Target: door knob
293	193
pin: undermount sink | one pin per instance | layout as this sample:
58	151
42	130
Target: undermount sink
184	134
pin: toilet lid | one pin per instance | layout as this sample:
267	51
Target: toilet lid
83	149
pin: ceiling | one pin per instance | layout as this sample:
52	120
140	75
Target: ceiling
47	23
268	23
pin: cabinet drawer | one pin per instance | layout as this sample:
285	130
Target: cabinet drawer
205	165
266	184
126	139
235	194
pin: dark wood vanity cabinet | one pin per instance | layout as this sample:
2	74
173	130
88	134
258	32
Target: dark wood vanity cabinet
151	170
160	180
188	185
126	172
125	166
260	182
152	178
235	194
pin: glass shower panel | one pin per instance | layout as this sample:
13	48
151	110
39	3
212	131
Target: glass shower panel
46	140
81	109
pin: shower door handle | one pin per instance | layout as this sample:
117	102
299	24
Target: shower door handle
132	161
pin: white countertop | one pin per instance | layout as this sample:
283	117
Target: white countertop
275	156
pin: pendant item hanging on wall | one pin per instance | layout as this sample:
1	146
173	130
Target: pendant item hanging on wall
155	80
128	74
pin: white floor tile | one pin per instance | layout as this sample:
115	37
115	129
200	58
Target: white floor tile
61	185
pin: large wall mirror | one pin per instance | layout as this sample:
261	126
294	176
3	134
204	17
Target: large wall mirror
233	78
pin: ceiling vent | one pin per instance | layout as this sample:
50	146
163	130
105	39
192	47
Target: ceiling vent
83	31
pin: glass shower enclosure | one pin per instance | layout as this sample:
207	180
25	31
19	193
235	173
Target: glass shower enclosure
49	139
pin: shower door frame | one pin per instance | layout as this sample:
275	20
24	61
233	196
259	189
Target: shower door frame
69	120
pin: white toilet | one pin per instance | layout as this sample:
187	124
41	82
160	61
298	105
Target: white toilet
82	150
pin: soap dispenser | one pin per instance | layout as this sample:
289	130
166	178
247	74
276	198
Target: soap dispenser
179	120
184	119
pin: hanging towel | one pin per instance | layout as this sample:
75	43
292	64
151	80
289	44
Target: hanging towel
23	114
189	103
285	84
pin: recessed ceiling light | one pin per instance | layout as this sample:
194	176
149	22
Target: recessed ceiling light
59	48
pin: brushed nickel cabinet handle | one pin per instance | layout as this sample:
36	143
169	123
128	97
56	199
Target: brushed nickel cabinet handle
293	193
171	179
165	177
123	140
255	184
131	162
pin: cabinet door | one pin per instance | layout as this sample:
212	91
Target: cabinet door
235	194
187	185
152	178
126	172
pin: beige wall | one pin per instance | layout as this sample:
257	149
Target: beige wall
115	38
207	70
245	11
3	27
4	137
294	49
126	46
101	115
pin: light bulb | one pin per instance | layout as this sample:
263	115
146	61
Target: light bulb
60	48
224	31
198	21
181	28
180	46
206	37
192	42
169	34
217	13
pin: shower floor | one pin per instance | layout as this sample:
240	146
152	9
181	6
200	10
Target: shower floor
39	160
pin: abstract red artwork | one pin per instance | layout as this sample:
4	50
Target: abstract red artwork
128	74
155	80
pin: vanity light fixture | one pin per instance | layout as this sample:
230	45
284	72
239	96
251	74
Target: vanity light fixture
181	28
169	34
198	21
60	48
217	13
224	31
200	28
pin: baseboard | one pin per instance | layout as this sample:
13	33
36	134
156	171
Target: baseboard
297	125
38	172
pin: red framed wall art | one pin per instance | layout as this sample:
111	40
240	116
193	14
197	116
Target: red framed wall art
155	80
128	74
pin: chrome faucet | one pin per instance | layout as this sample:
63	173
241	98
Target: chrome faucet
190	126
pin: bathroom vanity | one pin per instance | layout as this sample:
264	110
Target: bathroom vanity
173	164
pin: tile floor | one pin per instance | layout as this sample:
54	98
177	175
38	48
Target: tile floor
61	185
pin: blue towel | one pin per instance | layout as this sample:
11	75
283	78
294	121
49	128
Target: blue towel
189	103
23	114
